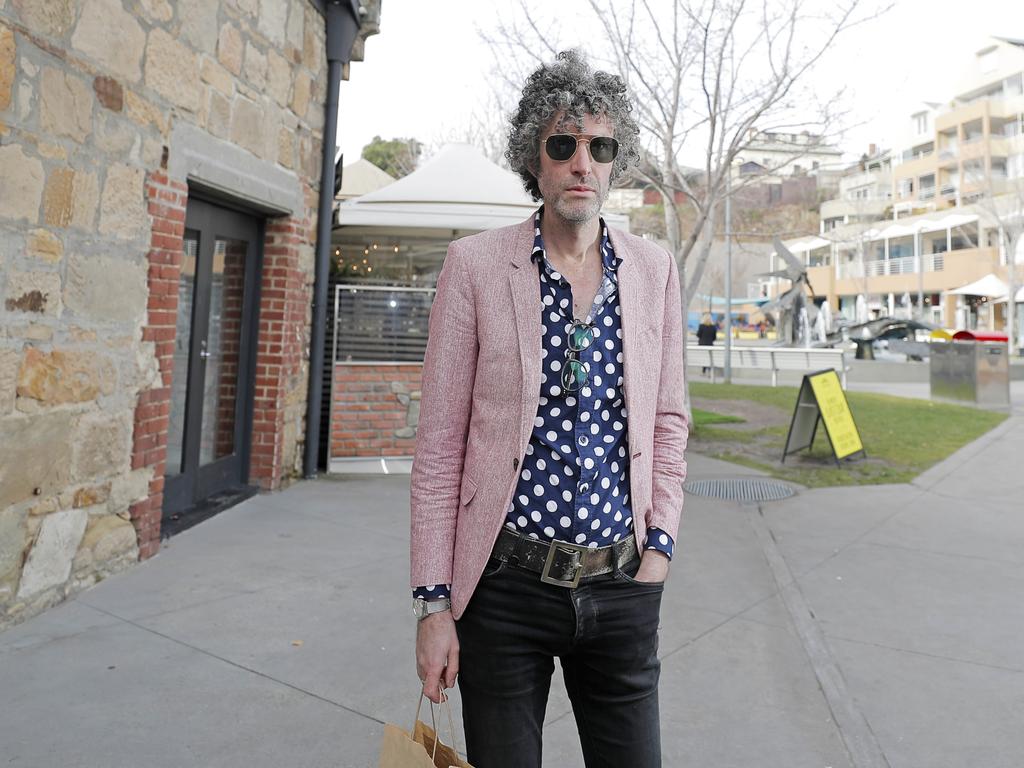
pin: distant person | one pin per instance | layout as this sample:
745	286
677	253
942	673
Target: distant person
547	484
707	332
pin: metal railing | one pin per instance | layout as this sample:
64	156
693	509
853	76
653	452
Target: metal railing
903	265
381	324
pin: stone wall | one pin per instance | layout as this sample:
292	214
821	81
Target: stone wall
91	221
375	409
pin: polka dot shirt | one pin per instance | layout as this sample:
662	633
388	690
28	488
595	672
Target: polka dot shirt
574	482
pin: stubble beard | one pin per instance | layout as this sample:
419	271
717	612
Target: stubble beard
581	211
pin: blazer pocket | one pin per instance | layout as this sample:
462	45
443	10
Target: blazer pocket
468	490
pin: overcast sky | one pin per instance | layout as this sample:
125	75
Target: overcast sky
427	69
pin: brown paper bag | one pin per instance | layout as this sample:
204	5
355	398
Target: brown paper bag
423	749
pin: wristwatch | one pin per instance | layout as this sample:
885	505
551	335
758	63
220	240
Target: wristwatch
422	608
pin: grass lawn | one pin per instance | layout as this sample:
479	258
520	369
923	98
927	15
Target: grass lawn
748	425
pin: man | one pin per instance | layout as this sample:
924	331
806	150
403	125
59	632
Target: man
547	483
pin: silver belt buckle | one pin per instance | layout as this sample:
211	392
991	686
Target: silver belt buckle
573	550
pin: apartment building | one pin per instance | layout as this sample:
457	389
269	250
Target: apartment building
865	192
932	245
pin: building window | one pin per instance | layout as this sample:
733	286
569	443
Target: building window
921	122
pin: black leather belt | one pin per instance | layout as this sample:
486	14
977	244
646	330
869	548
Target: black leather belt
560	562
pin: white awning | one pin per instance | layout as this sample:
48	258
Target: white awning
952	221
1018	299
807	244
990	286
458	189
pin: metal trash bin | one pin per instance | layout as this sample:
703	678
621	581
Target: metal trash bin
976	372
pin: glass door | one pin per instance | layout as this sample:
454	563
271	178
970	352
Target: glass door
211	387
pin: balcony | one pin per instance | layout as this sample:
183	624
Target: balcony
904	265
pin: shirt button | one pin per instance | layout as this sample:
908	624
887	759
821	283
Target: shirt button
515	463
583	440
584	487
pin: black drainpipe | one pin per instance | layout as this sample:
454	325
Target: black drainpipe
342	27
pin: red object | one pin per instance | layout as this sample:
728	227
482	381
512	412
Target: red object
980	336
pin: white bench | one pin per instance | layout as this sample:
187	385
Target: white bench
772	359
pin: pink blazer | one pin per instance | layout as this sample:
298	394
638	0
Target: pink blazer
481	391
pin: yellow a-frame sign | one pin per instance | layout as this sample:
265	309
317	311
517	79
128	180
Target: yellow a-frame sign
822	399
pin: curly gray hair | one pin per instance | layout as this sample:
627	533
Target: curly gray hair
570	86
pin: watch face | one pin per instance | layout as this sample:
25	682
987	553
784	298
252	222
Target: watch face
419	608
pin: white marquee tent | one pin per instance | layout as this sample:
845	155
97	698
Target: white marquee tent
458	190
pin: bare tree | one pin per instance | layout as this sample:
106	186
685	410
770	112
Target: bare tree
703	73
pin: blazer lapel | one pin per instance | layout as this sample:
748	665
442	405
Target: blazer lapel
525	287
630	313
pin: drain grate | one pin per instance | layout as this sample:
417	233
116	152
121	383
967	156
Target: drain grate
746	489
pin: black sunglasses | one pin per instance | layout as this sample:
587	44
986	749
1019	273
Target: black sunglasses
575	372
562	146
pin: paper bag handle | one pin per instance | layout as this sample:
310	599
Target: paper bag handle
433	722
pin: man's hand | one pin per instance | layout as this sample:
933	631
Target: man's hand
653	566
437	653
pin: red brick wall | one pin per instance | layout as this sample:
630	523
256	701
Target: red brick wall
366	412
285	315
167	200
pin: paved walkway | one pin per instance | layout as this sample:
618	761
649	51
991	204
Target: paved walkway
878	626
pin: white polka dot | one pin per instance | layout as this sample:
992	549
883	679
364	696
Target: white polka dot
607	507
555	411
663	539
565	522
583	513
618	516
607	532
432	587
556	341
526	474
580	538
535	516
554	317
618	357
566	425
556	365
538	490
615	466
524	500
567	495
599	451
597	381
592	545
610	393
608	344
538	422
608	320
555	391
605	482
595	525
588	463
594	498
548	300
616	537
617	426
595	428
568	471
618	333
551	506
553	479
551	435
604	415
521	520
549	532
566	449
585	416
532	535
610	368
570	401
609	438
541	464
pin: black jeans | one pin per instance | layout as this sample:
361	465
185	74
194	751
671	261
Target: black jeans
605	632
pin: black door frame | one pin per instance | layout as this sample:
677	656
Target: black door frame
190	492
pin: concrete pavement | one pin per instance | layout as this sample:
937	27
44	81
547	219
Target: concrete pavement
842	627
